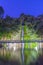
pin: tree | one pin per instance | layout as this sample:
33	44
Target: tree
1	12
30	55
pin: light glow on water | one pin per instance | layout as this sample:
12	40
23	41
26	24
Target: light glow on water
14	48
36	48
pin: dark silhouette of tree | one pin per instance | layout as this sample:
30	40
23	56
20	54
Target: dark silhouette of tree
40	16
22	17
1	12
27	19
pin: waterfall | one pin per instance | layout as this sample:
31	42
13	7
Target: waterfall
22	45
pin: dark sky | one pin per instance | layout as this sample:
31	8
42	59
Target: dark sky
15	7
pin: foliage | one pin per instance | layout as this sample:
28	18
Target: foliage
30	55
8	26
1	11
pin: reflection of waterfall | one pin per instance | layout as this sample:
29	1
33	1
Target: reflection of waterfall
13	46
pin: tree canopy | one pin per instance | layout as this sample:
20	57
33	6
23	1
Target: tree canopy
1	12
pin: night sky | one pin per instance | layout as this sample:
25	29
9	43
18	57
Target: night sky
14	8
